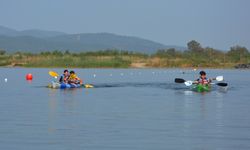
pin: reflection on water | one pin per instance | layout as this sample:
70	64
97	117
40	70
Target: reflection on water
62	103
52	110
188	92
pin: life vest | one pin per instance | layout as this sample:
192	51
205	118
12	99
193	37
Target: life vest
73	78
203	81
63	78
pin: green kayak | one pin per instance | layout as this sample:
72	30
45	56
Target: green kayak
201	87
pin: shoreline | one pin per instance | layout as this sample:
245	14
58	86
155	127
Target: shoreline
131	67
115	61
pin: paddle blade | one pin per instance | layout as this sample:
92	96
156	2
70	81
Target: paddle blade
88	86
53	74
219	78
179	80
222	84
188	83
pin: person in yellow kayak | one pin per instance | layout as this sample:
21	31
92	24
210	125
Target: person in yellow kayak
64	77
203	79
74	79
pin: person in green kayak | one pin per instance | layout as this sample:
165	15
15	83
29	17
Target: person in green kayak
203	79
73	79
64	77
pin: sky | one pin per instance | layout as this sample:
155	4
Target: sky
219	24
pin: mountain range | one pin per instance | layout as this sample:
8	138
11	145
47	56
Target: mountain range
40	40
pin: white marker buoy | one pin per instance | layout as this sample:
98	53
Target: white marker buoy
5	80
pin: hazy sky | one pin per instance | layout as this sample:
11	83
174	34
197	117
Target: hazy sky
215	23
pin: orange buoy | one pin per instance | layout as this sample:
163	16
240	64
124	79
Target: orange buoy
29	76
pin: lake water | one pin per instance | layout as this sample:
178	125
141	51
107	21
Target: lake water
135	109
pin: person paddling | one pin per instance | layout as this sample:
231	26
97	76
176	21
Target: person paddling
203	79
64	77
73	79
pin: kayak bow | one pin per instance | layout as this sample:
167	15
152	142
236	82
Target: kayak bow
201	87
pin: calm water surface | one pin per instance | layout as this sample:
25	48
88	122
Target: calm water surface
128	109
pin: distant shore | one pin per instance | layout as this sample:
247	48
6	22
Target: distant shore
169	58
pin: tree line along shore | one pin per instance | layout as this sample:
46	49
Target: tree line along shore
194	56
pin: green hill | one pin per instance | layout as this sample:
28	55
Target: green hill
39	40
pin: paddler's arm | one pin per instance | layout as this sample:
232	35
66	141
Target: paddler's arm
61	79
196	81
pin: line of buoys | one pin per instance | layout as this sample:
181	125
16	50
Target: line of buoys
140	73
154	73
29	76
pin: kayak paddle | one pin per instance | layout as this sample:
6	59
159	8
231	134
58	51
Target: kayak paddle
221	84
180	80
53	74
189	83
88	86
219	78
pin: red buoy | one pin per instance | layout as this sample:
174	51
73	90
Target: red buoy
29	76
